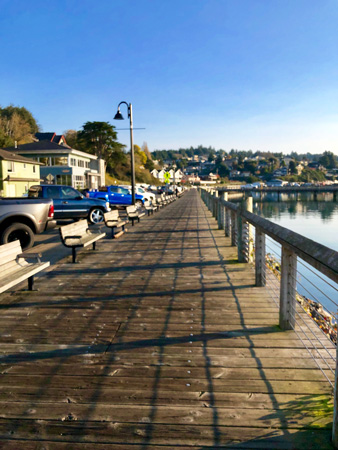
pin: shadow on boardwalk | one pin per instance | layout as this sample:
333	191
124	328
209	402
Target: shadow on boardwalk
148	343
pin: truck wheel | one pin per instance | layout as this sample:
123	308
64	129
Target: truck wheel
21	232
96	215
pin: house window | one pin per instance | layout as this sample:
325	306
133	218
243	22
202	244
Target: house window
64	179
45	160
80	163
60	161
87	164
79	182
34	168
72	161
10	166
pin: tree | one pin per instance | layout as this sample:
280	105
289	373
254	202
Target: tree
100	139
17	124
223	170
141	154
71	138
293	167
328	160
211	157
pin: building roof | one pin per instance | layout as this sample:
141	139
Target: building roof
8	156
40	145
52	137
45	136
41	148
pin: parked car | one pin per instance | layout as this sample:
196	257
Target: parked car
247	186
70	203
22	218
116	195
141	191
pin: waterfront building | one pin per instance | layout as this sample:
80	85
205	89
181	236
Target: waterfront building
17	174
61	164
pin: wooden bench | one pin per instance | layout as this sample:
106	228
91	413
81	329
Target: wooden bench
15	267
149	207
134	214
112	220
77	234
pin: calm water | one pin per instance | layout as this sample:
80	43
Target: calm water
317	220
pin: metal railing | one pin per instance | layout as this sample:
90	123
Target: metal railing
302	277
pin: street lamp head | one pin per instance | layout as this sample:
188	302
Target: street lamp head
118	115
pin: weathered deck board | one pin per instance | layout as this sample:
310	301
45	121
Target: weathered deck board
157	340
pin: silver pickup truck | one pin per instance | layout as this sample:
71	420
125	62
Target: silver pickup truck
21	218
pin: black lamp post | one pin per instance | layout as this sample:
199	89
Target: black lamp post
118	116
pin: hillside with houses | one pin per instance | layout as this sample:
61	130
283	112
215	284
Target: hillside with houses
92	157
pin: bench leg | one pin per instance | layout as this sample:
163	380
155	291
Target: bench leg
112	233
94	245
138	220
31	283
132	222
74	254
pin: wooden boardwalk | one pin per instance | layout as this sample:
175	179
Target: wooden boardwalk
156	340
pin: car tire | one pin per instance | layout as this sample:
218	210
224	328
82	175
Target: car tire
18	231
96	215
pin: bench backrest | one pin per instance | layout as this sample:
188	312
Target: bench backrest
111	215
9	252
131	209
74	229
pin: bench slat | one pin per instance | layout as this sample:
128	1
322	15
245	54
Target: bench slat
9	252
21	275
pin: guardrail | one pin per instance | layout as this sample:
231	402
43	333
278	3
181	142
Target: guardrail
287	263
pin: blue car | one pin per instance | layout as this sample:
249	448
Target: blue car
70	203
116	195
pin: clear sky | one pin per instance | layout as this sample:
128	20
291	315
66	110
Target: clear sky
243	74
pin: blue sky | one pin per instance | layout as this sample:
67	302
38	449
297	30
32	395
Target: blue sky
243	74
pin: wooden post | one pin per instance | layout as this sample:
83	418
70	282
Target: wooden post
215	210
227	222
233	229
260	266
335	410
223	210
220	212
240	243
244	233
288	290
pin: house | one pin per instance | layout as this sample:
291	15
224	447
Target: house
52	137
276	183
17	174
62	164
192	178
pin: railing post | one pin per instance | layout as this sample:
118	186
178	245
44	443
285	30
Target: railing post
335	409
215	209
260	265
240	234
223	210
233	228
244	233
288	286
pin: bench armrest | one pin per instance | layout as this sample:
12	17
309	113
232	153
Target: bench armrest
30	256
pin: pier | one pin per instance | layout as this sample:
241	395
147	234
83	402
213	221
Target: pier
159	339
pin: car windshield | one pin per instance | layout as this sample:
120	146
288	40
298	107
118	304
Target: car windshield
69	192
